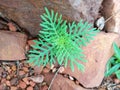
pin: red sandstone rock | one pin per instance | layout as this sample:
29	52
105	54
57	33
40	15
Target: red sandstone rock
97	54
12	45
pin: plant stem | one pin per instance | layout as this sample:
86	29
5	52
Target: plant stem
54	78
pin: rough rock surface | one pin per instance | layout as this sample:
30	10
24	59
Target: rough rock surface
62	83
97	54
27	13
112	8
12	45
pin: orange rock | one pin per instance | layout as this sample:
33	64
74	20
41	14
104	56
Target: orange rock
25	69
8	83
26	80
22	85
8	77
13	68
13	88
32	83
3	80
21	72
29	88
45	87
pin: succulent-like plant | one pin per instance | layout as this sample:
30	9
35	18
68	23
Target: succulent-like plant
113	65
61	42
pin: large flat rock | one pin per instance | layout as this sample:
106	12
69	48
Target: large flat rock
97	54
27	12
62	83
12	45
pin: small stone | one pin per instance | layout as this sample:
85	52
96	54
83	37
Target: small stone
8	69
14	81
22	85
12	27
50	66
38	70
25	69
3	80
13	68
8	77
29	88
46	70
71	78
8	83
26	80
21	72
54	70
61	69
4	74
116	80
13	88
37	79
36	87
45	87
27	48
32	83
1	86
1	70
44	83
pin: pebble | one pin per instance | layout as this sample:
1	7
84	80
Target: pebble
32	83
21	73
50	66
22	85
45	87
36	87
71	78
61	69
8	77
13	68
25	69
37	79
13	88
29	88
116	80
8	83
38	69
26	80
46	70
4	74
54	70
3	80
14	81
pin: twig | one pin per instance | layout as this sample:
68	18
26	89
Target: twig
54	78
112	16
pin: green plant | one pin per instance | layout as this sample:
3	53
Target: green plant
113	65
61	42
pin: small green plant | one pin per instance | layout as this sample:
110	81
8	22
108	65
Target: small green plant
113	65
61	42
